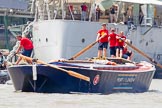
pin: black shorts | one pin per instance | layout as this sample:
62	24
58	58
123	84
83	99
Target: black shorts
113	51
27	52
102	45
129	53
120	47
126	55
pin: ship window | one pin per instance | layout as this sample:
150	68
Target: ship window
83	40
46	40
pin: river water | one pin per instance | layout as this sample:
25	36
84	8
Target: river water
151	99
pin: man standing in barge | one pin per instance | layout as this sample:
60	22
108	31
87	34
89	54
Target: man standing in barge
25	44
102	37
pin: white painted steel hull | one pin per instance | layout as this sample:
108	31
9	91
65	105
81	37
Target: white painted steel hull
55	39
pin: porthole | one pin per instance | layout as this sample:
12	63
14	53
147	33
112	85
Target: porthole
46	39
83	40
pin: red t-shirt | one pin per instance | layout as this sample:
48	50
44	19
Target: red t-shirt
26	43
101	32
84	7
120	42
112	41
71	7
125	50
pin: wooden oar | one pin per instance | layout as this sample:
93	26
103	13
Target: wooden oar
85	49
143	54
72	73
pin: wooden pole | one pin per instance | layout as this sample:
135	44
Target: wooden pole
143	54
85	49
72	73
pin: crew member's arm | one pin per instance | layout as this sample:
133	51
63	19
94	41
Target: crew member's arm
118	37
18	50
98	36
123	38
19	59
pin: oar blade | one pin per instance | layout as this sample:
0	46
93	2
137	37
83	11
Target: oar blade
80	76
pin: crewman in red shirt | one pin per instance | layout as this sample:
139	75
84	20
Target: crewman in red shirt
102	36
127	54
25	44
119	44
112	42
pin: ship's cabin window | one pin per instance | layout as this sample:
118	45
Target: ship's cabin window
83	40
46	39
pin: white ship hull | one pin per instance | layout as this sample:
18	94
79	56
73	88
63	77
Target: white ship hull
55	39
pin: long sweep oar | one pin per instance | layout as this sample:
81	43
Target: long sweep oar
85	49
72	73
143	54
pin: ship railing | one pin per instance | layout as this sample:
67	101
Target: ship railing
147	21
16	13
146	24
61	10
